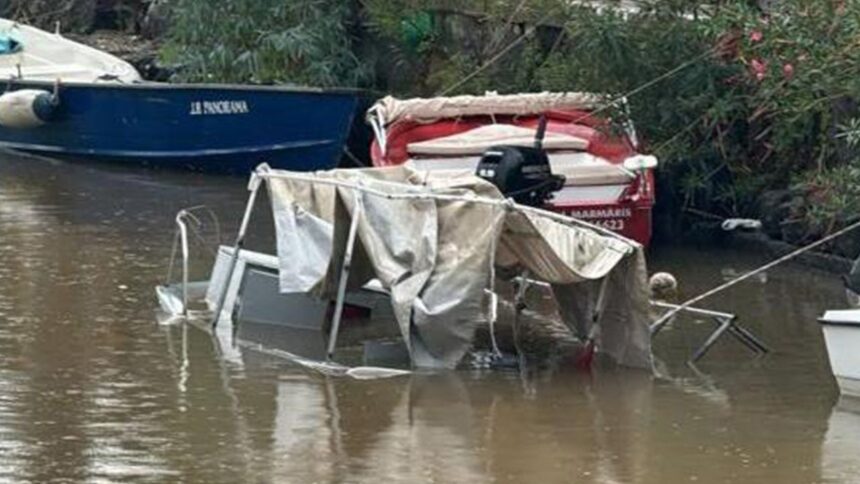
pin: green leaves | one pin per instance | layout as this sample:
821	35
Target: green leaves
263	42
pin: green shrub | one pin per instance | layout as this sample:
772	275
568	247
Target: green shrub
263	42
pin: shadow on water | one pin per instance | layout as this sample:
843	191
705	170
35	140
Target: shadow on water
92	389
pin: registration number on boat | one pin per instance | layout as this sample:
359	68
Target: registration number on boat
608	218
209	108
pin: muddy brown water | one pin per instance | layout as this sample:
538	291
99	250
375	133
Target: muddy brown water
93	390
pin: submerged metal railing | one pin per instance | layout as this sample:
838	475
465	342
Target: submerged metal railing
181	244
725	322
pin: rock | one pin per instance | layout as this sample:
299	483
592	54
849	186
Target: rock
774	208
156	23
847	245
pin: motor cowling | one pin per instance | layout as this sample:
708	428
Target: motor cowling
26	108
522	172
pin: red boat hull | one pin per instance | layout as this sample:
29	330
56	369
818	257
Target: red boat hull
624	208
629	219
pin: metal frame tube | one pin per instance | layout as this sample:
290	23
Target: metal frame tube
519	306
254	187
725	322
344	278
183	235
692	310
598	308
724	325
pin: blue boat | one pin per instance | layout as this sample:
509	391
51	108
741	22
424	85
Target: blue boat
210	128
64	99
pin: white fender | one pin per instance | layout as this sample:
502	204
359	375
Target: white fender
26	108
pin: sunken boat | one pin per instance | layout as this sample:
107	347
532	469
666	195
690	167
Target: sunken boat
398	267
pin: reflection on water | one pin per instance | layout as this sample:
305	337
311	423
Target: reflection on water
841	446
92	389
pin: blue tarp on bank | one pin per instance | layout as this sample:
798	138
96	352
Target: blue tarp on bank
8	45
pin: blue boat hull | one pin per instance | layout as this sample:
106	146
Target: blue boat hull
200	127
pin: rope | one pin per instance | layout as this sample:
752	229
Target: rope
666	317
606	106
501	53
621	98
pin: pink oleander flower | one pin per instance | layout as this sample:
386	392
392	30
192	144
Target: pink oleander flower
759	69
756	36
788	71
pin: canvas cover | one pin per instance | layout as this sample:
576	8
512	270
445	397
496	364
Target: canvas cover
436	256
390	110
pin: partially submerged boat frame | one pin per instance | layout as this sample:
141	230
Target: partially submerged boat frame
247	286
593	254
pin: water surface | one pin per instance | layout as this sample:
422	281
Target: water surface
92	389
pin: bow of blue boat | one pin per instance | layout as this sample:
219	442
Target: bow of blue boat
199	127
65	99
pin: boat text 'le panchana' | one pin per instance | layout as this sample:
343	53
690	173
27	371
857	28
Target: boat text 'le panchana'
64	99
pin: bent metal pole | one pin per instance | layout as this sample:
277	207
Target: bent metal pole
344	277
183	236
254	187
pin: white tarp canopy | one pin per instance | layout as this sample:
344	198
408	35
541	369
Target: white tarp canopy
435	242
389	110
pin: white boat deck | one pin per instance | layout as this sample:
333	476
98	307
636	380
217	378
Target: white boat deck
51	57
842	336
587	178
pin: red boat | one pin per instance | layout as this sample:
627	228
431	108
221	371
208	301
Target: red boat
608	182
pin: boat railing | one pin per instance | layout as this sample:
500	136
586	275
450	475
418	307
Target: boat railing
187	222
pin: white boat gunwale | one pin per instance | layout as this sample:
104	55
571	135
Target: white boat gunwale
831	322
186	86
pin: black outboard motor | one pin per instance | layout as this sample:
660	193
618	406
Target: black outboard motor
520	172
